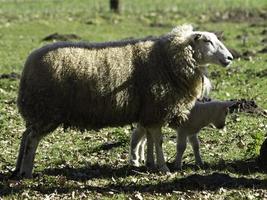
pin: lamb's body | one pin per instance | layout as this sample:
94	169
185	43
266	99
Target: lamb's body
201	115
90	86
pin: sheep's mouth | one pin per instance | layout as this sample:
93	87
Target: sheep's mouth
225	63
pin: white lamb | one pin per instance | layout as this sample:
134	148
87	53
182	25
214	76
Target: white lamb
202	114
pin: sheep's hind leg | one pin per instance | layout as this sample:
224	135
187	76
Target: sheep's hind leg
29	145
21	151
158	139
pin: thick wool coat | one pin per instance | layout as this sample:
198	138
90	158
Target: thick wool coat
87	85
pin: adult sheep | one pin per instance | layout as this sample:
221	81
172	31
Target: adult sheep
96	85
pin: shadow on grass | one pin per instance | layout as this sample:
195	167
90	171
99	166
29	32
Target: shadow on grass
196	182
93	171
241	167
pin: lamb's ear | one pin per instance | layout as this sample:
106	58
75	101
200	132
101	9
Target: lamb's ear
197	36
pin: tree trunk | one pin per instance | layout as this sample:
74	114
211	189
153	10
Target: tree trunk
115	5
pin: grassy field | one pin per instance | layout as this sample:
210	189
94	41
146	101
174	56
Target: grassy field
94	165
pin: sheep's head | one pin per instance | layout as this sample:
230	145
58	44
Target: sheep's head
208	49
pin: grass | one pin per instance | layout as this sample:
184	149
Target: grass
94	165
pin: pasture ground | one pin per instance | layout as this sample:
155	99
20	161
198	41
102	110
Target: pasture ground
94	165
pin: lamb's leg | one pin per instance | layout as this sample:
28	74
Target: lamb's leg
180	148
150	159
136	138
195	144
30	144
158	139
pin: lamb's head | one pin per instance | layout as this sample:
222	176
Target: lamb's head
221	111
208	49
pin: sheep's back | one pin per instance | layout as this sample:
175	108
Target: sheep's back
79	86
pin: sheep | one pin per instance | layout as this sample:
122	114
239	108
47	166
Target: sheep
201	115
95	85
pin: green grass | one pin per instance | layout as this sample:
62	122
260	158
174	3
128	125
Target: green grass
71	164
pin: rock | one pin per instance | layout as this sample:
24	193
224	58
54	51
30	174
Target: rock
61	37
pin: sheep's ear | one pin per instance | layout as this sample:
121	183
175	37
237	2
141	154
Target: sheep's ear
197	36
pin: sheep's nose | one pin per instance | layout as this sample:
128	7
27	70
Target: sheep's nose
230	58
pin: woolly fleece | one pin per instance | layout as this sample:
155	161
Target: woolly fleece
93	85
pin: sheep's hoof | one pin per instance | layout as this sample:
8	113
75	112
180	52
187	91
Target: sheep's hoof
21	175
25	175
15	175
177	166
164	169
143	161
134	163
204	165
151	165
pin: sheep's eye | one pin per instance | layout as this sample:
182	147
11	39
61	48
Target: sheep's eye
209	41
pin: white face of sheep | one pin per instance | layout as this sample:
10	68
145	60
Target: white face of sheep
209	50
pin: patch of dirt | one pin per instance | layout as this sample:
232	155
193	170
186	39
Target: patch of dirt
264	50
247	106
262	73
249	54
242	105
246	55
160	25
235	53
61	37
12	75
258	24
264	32
239	15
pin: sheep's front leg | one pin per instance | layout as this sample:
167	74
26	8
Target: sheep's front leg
195	145
180	148
137	136
150	159
158	139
